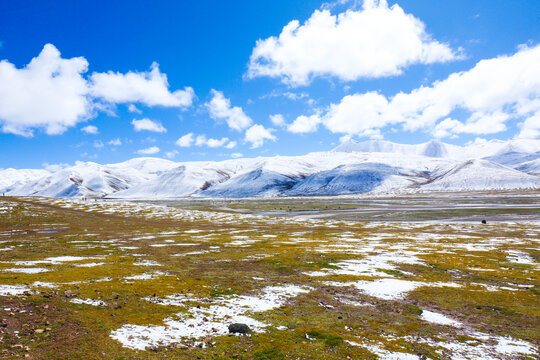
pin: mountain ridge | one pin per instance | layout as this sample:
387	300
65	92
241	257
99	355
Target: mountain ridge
374	166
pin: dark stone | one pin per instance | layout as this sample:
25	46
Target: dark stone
484	221
239	328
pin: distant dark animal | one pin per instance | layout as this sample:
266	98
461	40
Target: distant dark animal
238	328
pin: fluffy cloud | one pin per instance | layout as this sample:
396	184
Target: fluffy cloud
257	134
201	140
54	167
115	142
277	120
304	124
171	154
133	109
49	93
185	141
148	125
220	109
149	151
376	41
150	88
493	92
90	129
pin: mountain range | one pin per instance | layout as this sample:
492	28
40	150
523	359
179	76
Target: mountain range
374	166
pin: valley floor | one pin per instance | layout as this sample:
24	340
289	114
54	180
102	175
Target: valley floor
413	277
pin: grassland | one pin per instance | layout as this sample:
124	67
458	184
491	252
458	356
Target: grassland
114	280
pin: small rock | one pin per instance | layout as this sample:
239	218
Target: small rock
39	331
239	328
484	221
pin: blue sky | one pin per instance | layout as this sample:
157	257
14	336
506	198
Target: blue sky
125	79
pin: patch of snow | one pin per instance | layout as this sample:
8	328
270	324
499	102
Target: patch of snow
440	319
88	302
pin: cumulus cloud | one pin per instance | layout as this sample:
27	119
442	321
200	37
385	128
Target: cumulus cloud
201	140
55	167
115	142
171	154
90	129
236	155
493	92
304	124
49	93
148	125
257	134
148	151
150	88
220	108
213	143
98	144
372	42
185	141
133	109
278	120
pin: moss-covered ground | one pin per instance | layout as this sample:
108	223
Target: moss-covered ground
76	276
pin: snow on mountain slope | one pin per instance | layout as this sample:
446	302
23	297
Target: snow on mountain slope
10	177
477	175
432	148
83	179
438	149
530	167
513	159
380	166
344	179
259	182
182	181
146	165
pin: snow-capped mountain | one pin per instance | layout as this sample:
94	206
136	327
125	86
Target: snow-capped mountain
10	177
353	167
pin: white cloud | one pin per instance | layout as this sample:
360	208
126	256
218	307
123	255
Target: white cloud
375	41
150	88
49	93
231	145
220	109
304	124
236	155
115	142
55	167
213	143
171	154
90	129
278	120
185	141
148	125
257	134
98	144
148	151
201	140
133	109
493	92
